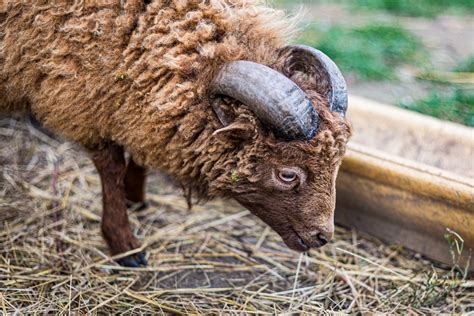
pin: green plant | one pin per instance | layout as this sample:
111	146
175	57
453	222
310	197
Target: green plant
433	287
235	176
372	51
426	8
456	106
466	65
456	247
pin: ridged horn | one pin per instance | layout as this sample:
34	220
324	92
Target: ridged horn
276	100
324	72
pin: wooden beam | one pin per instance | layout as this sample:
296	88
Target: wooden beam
405	202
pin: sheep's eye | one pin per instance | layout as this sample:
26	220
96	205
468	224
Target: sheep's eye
287	176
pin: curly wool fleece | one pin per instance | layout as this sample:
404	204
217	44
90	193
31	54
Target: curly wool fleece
137	74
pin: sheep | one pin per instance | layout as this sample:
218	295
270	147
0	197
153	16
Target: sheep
206	91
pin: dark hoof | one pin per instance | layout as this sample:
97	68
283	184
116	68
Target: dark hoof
133	261
138	206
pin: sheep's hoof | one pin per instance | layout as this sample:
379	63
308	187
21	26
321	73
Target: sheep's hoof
133	261
137	206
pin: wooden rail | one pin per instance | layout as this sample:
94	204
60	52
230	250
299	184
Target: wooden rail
403	201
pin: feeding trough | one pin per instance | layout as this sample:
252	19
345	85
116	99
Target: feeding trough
408	179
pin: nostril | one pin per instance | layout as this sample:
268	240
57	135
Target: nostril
322	239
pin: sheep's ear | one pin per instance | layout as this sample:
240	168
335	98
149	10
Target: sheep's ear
237	131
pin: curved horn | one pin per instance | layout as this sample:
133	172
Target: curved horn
324	72
276	100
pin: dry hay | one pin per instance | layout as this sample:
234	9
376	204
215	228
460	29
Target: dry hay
216	258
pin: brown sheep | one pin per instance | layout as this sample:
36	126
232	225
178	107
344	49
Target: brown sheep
199	89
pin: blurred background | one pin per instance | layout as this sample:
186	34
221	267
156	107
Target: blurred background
418	55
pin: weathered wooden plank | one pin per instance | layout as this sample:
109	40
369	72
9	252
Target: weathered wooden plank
406	202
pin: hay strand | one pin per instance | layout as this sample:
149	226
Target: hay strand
216	258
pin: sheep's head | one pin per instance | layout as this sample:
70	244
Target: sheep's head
287	163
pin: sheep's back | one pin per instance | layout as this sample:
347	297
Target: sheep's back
136	75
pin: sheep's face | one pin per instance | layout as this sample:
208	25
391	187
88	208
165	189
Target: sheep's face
291	185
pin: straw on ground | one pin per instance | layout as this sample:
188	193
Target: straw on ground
216	258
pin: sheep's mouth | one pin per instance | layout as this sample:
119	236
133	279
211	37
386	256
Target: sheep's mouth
294	241
289	235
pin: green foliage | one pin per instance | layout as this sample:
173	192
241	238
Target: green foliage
466	65
377	50
435	288
235	176
372	51
426	8
457	106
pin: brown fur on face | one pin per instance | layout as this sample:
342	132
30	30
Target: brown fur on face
306	209
137	75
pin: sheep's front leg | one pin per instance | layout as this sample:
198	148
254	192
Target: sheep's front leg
110	164
135	179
